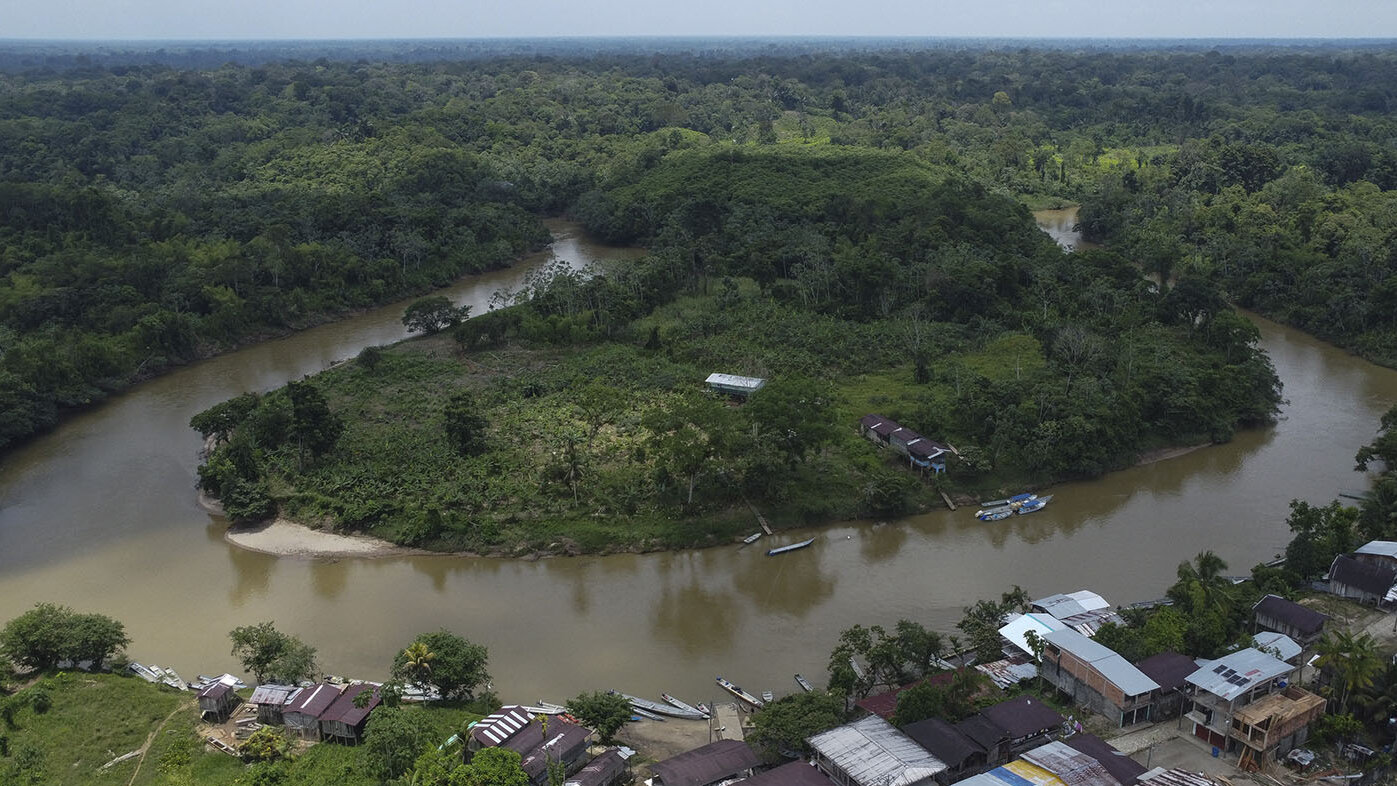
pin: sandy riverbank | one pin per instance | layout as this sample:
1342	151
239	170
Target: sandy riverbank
1163	454
285	538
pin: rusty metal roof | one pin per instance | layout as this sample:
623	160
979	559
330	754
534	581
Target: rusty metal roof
1071	766
1175	776
275	695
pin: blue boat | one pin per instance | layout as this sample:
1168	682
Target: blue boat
1018	507
792	547
1035	505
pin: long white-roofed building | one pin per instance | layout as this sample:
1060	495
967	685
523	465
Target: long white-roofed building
871	752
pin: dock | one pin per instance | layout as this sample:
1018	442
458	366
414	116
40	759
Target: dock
727	722
760	518
949	503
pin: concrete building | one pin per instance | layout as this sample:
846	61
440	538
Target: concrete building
1244	702
1097	678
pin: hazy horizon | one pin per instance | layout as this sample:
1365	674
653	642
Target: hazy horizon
350	20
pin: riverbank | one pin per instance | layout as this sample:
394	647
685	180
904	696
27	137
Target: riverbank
284	538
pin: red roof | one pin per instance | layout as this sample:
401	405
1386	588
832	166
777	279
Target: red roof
885	704
314	701
344	709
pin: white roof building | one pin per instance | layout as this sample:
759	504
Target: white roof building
1236	673
734	385
1020	624
1106	661
870	752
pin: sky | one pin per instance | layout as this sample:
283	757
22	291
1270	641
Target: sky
279	19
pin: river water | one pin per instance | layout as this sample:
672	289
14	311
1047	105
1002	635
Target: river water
101	515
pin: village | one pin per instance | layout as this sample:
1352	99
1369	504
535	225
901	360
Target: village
1074	712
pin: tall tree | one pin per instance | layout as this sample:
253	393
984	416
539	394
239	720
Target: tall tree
272	656
457	665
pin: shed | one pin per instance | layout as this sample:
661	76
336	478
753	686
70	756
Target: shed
1301	623
711	763
302	714
1026	720
217	701
733	385
1097	677
1361	581
344	719
870	752
796	773
601	771
271	700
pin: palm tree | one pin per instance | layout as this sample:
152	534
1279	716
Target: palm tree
1353	660
1201	584
419	661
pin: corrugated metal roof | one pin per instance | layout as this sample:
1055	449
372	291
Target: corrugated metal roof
1072	766
216	691
1169	669
796	773
599	771
1266	641
1122	767
345	711
943	741
1370	578
1006	673
1302	618
1175	777
1022	716
1381	548
494	729
1018	625
1232	675
276	695
734	381
313	701
1105	660
873	753
1071	604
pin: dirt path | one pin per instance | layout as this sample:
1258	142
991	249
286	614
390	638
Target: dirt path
150	738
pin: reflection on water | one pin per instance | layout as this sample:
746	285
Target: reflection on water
101	515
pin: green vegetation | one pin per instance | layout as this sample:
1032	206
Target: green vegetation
605	712
572	419
783	726
273	656
443	661
49	634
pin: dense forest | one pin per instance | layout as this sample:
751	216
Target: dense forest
850	225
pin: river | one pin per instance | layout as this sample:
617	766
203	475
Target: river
101	515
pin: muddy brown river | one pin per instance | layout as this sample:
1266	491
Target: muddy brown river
101	515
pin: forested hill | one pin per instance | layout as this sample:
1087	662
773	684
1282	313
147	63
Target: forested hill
154	214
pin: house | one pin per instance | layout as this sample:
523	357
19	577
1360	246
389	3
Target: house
961	755
345	718
1083	610
1097	678
1301	623
1221	688
1280	645
870	752
1364	582
1382	553
717	761
216	701
1170	671
1026	721
302	713
877	429
920	451
733	385
271	700
604	770
986	734
796	773
538	742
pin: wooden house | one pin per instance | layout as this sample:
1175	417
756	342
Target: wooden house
302	713
1027	722
216	701
1301	623
345	718
1169	670
271	700
715	762
1364	582
604	770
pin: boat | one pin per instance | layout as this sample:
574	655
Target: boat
792	547
683	705
1001	503
858	670
768	696
753	538
1033	506
804	683
636	711
543	709
143	672
740	693
657	708
994	514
